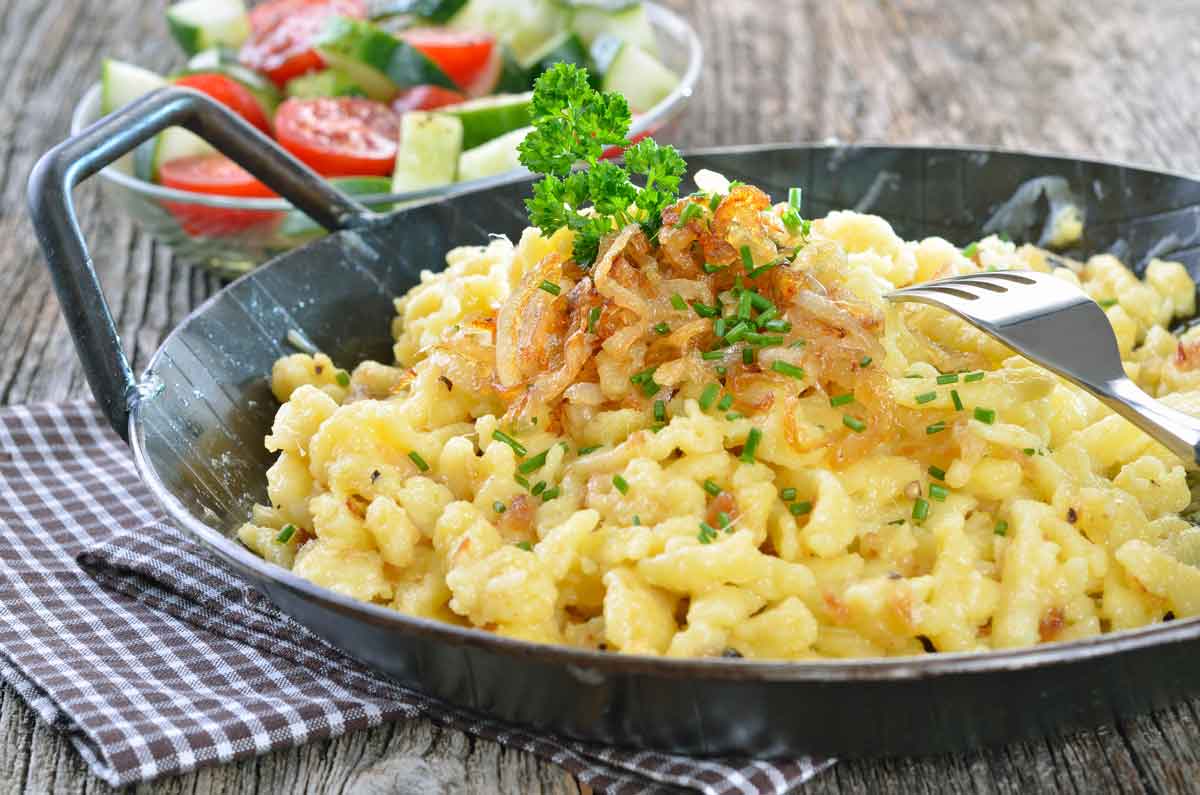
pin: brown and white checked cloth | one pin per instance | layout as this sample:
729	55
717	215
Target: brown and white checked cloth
154	660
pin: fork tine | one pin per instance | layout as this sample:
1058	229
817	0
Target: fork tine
933	291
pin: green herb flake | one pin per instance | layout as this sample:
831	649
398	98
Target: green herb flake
841	400
937	472
343	378
745	305
794	196
936	427
747	258
538	488
709	395
522	481
504	438
937	492
550	494
525	545
920	510
678	302
1001	528
800	508
621	484
925	397
688	214
550	287
864	361
734	415
751	445
790	370
747	356
593	319
739	330
712	356
534	464
853	423
590	449
788	494
704	310
958	404
660	411
969	377
948	378
725	403
420	462
707	533
970	250
1107	302
986	416
711	487
285	535
499	507
723	519
662	329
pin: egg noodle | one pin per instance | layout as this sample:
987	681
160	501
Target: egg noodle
725	441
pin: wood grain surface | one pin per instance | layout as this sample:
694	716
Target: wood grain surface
1108	79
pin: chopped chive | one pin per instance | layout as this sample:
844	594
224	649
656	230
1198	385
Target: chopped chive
725	403
499	507
958	404
864	361
920	510
501	436
789	370
343	378
550	287
658	426
593	319
678	302
969	377
550	494
761	302
593	448
662	329
913	375
925	397
747	258
1107	302
936	427
841	400
621	484
708	396
986	416
769	314
711	487
642	376
420	462
715	201
739	330
937	492
689	212
948	378
637	520
721	370
853	423
522	481
285	535
751	445
797	344
937	472
754	274
707	533
712	356
970	250
794	195
538	488
800	508
763	340
704	311
719	327
788	494
733	415
744	305
1029	451
747	356
525	545
723	519
1001	528
710	268
533	464
660	411
776	325
792	220
650	388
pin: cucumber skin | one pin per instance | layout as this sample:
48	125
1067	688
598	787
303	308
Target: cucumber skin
514	78
495	157
430	145
483	124
401	64
190	38
438	11
326	83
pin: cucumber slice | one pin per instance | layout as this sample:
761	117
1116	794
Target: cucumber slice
564	48
630	70
629	23
524	25
490	117
438	11
326	83
430	144
297	227
513	78
225	62
122	83
170	144
495	157
200	24
376	60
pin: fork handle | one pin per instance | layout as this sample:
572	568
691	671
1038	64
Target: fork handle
1178	431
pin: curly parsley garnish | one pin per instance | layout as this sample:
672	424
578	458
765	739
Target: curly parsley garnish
573	122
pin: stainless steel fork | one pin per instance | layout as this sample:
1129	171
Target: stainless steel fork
1052	322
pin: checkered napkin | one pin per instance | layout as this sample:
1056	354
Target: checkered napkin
119	631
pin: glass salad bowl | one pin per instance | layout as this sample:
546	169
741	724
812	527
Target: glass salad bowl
231	235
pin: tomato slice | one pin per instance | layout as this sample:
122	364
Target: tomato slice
230	93
282	31
340	136
426	98
462	55
213	174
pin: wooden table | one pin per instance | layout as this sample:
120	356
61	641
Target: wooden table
1112	79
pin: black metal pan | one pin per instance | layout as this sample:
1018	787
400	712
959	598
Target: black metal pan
197	417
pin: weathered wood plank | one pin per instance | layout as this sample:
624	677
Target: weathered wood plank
1112	80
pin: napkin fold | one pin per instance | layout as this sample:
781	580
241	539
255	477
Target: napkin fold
118	630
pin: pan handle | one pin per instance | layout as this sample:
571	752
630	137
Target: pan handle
74	160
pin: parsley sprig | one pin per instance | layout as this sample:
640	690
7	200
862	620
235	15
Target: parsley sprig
572	123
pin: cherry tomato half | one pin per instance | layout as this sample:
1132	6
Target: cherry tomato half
282	31
426	98
462	55
230	93
217	175
340	136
